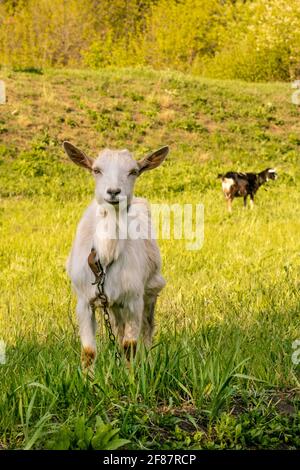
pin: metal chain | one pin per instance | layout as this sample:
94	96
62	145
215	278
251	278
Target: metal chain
100	279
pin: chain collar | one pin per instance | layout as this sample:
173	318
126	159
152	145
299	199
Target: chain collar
100	273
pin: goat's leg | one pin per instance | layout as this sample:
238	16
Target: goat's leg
245	200
229	204
87	328
251	200
133	326
153	288
148	321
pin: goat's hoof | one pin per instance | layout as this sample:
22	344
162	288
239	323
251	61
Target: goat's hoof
88	356
129	347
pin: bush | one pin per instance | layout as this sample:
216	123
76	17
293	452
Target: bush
251	40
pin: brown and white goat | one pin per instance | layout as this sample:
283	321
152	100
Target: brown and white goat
133	280
244	184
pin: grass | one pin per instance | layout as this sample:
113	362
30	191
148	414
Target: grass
220	374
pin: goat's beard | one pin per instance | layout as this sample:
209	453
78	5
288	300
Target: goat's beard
112	221
107	236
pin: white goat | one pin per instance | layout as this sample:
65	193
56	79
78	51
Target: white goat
133	278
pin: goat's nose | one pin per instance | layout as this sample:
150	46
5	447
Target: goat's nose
114	192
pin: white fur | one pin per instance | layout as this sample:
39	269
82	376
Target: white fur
226	184
133	280
272	170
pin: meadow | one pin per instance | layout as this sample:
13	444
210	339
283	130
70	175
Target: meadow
220	374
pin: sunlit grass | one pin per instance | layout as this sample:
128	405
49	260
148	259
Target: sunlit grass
226	320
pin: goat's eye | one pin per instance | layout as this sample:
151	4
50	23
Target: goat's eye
133	172
97	171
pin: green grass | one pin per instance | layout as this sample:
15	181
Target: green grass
220	374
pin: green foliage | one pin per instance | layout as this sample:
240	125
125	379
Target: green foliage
82	436
40	33
260	43
252	40
34	171
179	32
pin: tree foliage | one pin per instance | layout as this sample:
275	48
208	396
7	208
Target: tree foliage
253	40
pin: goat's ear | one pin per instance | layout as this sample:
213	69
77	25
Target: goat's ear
153	160
77	156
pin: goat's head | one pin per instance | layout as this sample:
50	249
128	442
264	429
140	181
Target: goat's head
271	174
115	171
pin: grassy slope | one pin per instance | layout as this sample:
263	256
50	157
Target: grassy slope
221	374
